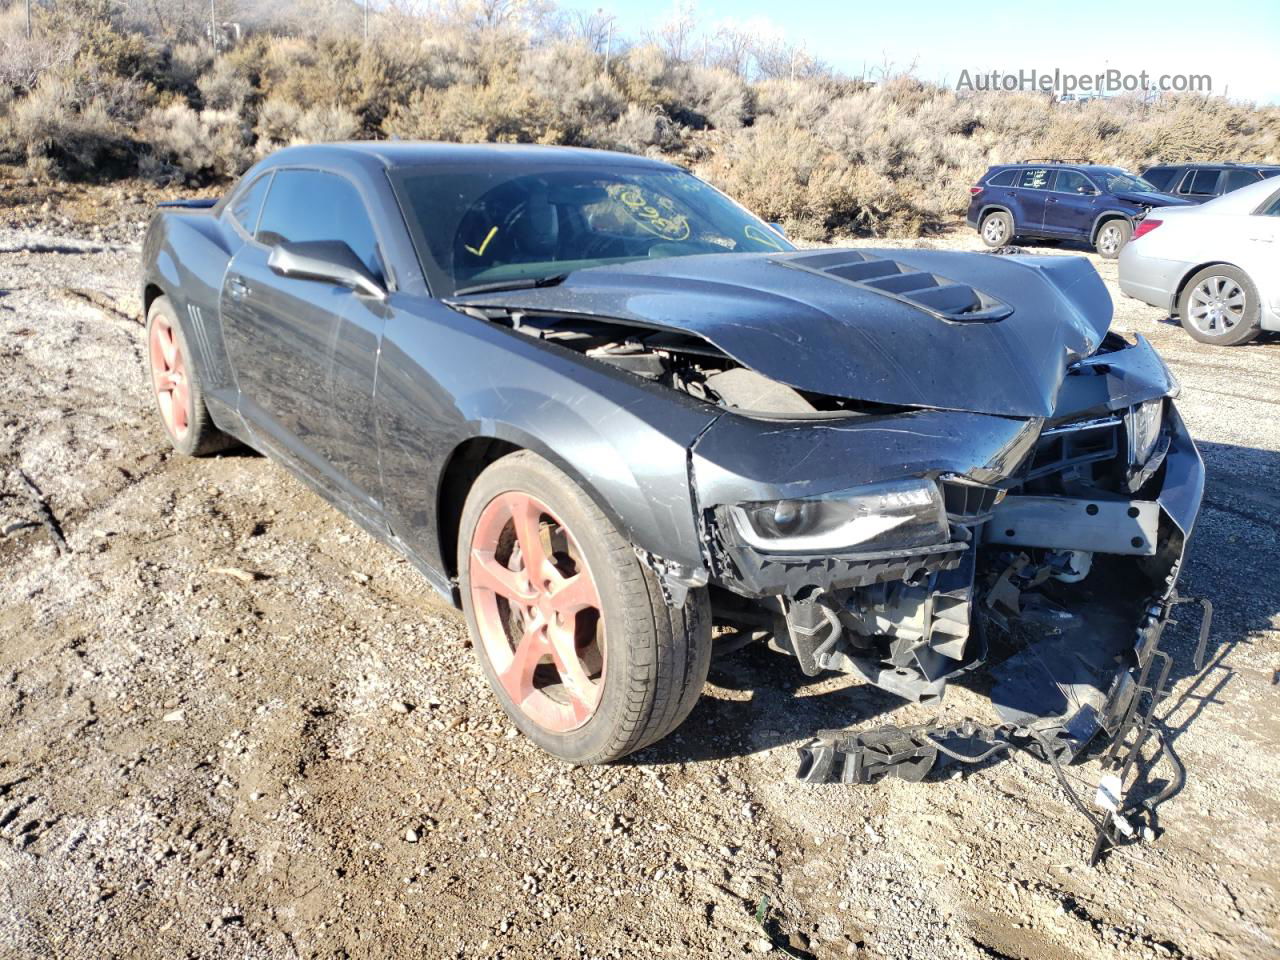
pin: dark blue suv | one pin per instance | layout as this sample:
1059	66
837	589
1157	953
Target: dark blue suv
1062	201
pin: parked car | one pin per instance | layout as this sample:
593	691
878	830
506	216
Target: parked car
621	422
1215	266
1062	201
1200	182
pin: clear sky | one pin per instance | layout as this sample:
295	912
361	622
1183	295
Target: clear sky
1236	42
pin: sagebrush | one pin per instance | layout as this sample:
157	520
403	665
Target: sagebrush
104	89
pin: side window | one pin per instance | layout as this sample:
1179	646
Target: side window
1160	177
1272	208
1235	179
1070	181
306	205
1003	179
1036	178
1199	183
248	204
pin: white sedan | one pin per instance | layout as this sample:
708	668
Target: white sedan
1216	266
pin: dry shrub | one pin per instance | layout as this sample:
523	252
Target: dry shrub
327	124
823	153
211	144
499	113
67	128
181	67
641	130
24	60
224	87
570	97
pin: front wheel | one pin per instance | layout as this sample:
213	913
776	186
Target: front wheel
571	630
1220	305
1111	238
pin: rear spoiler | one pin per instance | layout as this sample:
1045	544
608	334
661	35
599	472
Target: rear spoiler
200	203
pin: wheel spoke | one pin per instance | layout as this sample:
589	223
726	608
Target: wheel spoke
181	405
582	693
572	594
488	573
168	348
527	517
517	676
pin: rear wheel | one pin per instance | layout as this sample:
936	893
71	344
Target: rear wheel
176	385
571	630
1111	238
996	229
1220	305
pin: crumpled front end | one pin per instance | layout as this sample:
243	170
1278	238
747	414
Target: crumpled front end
913	547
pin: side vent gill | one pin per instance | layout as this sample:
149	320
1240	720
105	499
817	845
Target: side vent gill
937	296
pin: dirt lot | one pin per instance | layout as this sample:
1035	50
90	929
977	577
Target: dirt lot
233	725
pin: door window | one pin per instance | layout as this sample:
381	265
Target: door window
1070	181
1200	183
1160	177
1035	179
307	205
1235	179
1272	209
248	203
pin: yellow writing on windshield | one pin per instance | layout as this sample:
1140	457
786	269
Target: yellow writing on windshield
484	245
654	212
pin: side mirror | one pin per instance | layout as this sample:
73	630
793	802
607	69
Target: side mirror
329	261
779	229
1086	191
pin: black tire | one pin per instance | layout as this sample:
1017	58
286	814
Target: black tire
1235	328
1112	235
656	657
996	229
201	437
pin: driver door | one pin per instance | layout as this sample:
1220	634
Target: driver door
305	351
1072	204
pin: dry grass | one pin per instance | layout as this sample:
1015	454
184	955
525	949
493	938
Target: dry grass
94	95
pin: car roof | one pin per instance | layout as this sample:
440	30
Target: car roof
407	153
1101	167
1225	164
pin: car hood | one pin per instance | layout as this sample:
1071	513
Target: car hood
800	319
1153	199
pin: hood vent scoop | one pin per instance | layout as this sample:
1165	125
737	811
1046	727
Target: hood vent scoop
937	296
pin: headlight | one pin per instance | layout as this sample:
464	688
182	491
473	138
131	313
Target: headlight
885	516
1144	422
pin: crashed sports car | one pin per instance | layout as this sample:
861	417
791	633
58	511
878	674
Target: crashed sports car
624	424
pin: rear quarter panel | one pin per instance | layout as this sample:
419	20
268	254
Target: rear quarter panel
184	257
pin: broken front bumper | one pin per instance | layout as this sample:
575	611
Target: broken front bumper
1089	671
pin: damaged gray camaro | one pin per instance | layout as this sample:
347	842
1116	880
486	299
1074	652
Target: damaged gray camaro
622	423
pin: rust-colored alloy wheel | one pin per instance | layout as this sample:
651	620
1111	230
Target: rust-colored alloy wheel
169	377
176	385
538	612
572	631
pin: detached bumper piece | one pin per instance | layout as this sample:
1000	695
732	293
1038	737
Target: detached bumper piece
1128	718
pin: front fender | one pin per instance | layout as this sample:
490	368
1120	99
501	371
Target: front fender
445	378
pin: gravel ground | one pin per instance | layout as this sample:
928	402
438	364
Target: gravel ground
233	725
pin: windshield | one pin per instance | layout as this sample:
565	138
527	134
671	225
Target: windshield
476	227
1117	181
